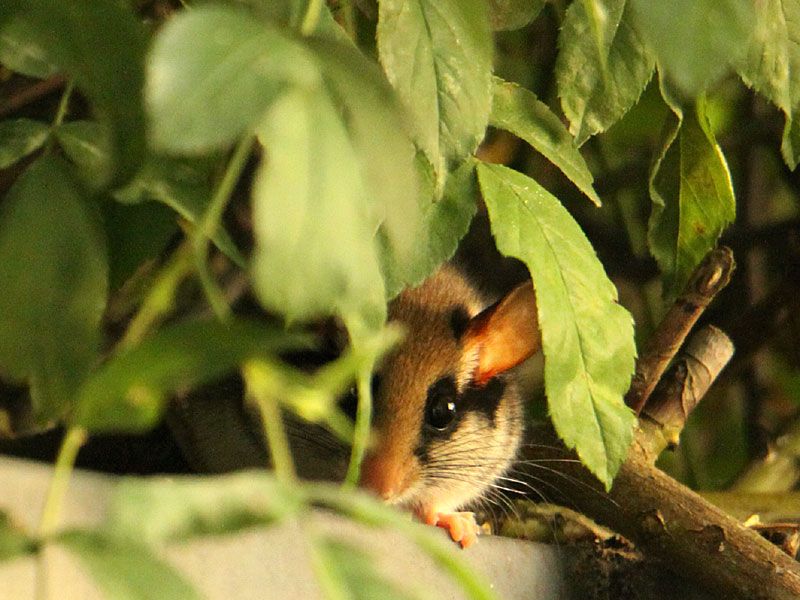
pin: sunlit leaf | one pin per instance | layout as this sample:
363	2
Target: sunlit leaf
695	41
126	570
513	14
519	111
100	44
164	510
20	137
772	65
315	253
129	391
212	73
692	194
600	78
587	338
438	56
54	272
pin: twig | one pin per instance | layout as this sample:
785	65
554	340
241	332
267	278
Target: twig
31	94
711	275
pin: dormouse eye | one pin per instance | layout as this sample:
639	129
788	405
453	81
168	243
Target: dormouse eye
440	408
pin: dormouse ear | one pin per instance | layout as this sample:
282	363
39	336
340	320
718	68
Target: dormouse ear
502	336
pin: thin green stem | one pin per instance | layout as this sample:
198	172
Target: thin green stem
311	18
348	18
63	104
362	425
70	445
160	298
261	388
207	226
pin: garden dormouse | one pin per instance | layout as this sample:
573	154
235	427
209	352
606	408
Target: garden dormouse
448	415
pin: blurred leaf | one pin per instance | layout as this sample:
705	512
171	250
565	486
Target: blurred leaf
513	14
600	78
444	223
695	41
20	137
155	511
55	276
772	63
692	194
213	71
129	391
13	541
20	53
85	143
126	571
101	45
290	13
315	254
378	132
587	337
354	572
519	111
438	56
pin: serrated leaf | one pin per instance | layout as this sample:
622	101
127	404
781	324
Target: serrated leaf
20	137
55	276
438	56
126	571
772	66
519	111
603	65
213	71
315	252
692	194
513	14
695	41
164	510
101	45
587	338
379	134
443	223
129	391
20	53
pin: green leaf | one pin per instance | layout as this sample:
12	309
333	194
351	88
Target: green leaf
20	137
85	143
378	132
212	73
126	571
603	65
55	275
513	14
692	194
438	56
20	53
13	541
772	63
353	572
315	252
695	41
129	391
519	111
101	45
587	337
444	223
164	510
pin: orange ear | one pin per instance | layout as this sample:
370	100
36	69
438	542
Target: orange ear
503	335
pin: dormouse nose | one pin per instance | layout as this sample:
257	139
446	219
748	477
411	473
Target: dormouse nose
385	477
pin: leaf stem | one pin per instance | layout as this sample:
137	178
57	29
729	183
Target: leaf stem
311	18
208	224
63	104
70	445
262	389
362	424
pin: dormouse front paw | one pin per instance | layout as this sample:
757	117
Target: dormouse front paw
461	525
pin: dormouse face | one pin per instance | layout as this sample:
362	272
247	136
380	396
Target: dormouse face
443	436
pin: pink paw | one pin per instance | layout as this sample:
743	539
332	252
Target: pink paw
461	525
